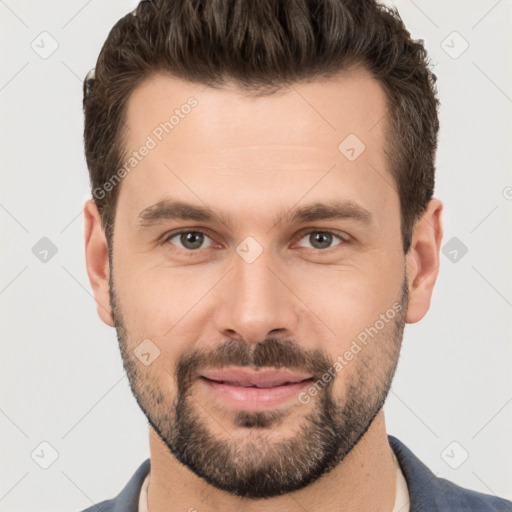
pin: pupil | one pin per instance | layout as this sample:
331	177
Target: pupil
188	238
326	239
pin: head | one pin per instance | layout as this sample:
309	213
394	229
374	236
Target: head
262	175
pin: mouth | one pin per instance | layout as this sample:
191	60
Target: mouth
245	377
252	390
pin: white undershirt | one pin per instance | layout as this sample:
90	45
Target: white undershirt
401	497
402	502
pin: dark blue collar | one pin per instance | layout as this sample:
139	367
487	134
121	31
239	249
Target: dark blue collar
427	492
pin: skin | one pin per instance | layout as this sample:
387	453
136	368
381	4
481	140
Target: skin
251	159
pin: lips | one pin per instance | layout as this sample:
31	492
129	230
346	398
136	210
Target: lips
253	390
245	377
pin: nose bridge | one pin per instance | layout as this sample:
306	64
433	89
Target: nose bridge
254	301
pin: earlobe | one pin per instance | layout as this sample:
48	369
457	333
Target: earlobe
423	260
97	262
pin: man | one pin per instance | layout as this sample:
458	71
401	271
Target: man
262	228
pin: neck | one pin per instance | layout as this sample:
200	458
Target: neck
364	480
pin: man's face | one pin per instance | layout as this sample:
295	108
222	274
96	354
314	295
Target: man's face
256	286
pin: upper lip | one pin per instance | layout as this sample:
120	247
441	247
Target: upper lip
263	378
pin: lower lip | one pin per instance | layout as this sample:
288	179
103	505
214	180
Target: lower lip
254	399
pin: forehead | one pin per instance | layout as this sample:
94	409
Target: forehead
206	144
350	102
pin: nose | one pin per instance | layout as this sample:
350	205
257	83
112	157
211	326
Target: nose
256	301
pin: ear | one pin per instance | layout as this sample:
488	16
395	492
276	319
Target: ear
96	257
422	260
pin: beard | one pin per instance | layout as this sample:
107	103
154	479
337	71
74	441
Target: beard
250	463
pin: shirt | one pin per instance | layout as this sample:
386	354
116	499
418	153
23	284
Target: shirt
427	492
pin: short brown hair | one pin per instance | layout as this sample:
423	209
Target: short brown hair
262	46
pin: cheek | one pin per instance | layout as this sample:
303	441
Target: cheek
354	299
154	300
361	307
365	362
162	312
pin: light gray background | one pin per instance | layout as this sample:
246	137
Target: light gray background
62	380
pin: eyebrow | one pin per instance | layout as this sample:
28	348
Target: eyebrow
169	209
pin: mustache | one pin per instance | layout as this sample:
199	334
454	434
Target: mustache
272	352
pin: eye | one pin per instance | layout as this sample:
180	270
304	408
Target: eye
194	240
189	240
321	239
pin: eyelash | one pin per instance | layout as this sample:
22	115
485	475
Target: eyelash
167	237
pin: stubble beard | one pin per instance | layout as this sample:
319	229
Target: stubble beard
251	463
